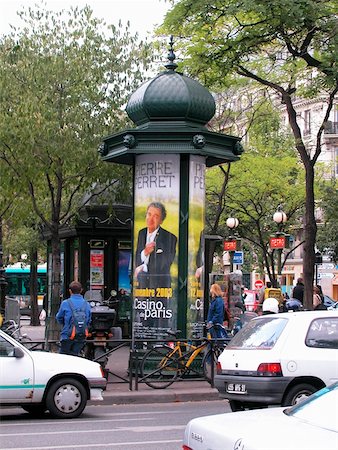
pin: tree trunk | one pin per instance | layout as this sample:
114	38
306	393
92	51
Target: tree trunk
3	282
310	232
53	328
33	288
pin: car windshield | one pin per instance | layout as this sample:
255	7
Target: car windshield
261	333
320	409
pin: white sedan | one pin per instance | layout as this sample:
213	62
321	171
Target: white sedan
39	381
310	425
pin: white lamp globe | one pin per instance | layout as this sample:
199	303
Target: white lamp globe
232	222
280	217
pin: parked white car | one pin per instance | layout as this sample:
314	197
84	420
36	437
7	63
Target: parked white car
310	425
39	381
278	359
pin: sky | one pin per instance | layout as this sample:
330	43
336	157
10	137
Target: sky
143	15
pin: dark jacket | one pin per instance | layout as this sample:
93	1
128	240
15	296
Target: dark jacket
64	315
298	292
160	260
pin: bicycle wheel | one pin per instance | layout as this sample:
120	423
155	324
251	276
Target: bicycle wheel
210	360
159	369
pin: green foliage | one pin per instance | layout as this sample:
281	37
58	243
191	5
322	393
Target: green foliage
287	46
256	187
275	39
327	236
64	80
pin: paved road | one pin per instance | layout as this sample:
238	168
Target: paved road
137	427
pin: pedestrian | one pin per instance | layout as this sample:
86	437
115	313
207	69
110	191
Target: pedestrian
317	300
216	312
320	292
65	316
298	290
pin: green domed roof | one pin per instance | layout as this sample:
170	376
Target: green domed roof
171	96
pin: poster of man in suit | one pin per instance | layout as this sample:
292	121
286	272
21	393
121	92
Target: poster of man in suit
155	251
156	228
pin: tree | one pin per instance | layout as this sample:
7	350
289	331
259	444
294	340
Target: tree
288	46
64	79
327	239
254	190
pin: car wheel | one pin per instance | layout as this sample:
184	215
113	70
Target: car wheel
298	393
35	409
66	398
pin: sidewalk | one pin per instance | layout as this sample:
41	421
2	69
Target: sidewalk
118	392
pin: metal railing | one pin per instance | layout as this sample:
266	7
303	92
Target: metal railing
137	349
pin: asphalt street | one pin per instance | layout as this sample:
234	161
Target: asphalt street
140	427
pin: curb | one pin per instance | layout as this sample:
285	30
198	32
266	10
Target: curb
158	396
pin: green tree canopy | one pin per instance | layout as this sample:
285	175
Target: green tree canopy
327	239
64	80
255	188
288	46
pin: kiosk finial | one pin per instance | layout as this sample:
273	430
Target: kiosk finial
171	65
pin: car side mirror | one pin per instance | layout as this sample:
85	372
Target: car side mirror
18	352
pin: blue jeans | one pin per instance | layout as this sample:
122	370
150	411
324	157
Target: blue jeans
71	347
218	332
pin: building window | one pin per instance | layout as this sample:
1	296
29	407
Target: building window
307	122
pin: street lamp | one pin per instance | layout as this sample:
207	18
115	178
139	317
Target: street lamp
232	223
231	244
318	261
279	218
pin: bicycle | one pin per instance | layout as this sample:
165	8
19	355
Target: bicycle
164	364
11	328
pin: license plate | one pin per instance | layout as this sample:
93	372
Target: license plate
236	388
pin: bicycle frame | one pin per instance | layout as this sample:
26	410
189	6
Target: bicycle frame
192	351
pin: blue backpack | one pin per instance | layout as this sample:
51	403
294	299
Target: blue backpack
79	329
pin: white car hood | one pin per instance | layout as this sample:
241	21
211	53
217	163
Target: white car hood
265	429
56	363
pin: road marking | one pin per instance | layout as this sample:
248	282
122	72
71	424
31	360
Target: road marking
106	445
141	429
58	422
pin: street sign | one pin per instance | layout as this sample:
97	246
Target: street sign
230	246
238	258
259	284
277	242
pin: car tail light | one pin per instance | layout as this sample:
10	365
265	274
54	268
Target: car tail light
270	370
218	368
185	447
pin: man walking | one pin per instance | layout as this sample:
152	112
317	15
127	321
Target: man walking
298	290
65	316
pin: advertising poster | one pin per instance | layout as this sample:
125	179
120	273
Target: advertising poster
96	269
195	300
156	228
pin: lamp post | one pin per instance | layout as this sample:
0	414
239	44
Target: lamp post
278	243
231	244
318	261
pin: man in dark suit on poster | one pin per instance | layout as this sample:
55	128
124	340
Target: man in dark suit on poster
156	250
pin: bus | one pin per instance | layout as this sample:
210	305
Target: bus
18	277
